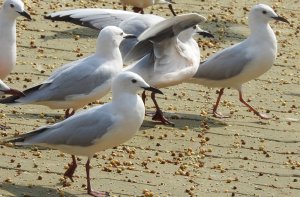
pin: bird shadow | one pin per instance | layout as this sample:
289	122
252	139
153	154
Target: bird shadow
34	191
182	120
293	94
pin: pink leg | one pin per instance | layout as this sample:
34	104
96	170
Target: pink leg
215	112
261	115
144	97
159	116
72	167
89	188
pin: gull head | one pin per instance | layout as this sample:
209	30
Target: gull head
112	35
129	82
15	8
264	13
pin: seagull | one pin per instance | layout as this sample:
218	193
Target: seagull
98	128
9	12
242	62
164	54
4	89
80	82
139	5
167	54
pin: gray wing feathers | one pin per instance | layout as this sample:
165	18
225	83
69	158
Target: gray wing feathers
162	31
80	130
171	27
131	23
93	17
140	50
225	64
64	82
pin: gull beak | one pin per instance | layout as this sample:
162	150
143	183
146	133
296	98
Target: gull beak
14	92
25	14
205	34
155	90
279	18
129	36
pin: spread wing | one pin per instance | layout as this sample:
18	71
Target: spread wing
131	23
162	31
92	17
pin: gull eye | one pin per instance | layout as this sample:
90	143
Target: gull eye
121	34
194	27
264	12
12	5
133	80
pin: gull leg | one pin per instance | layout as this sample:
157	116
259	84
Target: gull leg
68	113
72	167
261	115
138	10
144	97
215	112
144	101
159	116
172	10
88	179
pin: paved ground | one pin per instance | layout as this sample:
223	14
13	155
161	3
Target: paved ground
201	155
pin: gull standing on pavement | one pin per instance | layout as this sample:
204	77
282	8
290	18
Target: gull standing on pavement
9	12
139	5
98	128
242	62
165	52
80	82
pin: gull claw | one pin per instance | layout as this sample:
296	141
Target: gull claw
159	116
220	115
263	116
98	194
70	171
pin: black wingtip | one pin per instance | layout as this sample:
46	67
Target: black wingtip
25	136
47	16
12	99
9	100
